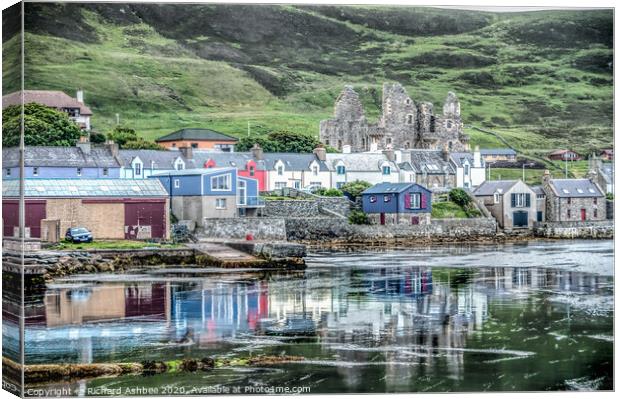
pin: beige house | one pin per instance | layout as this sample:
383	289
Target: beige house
512	203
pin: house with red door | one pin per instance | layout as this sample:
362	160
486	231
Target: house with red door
573	200
109	208
397	203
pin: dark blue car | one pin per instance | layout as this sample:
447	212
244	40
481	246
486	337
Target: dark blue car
78	234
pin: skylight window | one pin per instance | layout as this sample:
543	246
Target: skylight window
580	191
591	190
135	188
565	191
40	189
104	188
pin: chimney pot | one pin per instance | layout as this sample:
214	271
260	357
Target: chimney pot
79	95
257	152
112	147
321	153
187	151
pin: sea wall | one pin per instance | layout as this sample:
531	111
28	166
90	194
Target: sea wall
591	229
263	228
320	230
314	207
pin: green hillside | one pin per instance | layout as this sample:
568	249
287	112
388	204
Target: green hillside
541	79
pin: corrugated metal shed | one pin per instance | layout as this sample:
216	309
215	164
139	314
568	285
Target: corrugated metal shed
79	188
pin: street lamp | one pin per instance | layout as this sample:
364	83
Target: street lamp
528	164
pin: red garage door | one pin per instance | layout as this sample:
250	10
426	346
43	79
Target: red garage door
35	211
142	217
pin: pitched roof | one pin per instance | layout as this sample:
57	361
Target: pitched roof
42	156
575	188
359	161
493	186
196	134
497	151
459	158
292	161
157	159
228	159
69	188
386	188
429	161
192	172
538	190
560	152
50	98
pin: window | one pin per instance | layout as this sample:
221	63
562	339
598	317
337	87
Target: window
220	183
466	170
79	171
568	213
595	213
252	170
407	145
340	170
174	144
297	184
340	184
280	170
8	171
280	184
408	101
315	170
409	119
540	196
327	142
387	198
194	145
35	172
466	184
220	203
496	198
386	170
568	200
520	200
416	201
339	144
449	124
177	183
388	140
180	166
595	200
105	171
373	199
137	169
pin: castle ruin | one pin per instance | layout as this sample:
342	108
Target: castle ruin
403	123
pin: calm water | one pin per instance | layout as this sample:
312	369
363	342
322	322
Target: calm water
535	316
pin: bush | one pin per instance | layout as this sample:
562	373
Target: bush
358	217
329	192
609	196
460	197
355	188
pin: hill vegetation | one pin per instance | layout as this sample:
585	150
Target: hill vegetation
541	80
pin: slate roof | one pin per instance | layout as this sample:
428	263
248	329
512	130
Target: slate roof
359	162
538	190
406	166
459	157
159	159
50	98
72	188
498	151
386	188
429	161
227	159
574	188
196	134
493	186
292	161
42	156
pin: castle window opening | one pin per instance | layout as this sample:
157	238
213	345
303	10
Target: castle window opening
408	101
388	140
409	119
407	145
449	124
339	144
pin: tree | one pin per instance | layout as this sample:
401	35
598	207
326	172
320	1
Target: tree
42	126
355	188
459	197
281	141
127	138
358	217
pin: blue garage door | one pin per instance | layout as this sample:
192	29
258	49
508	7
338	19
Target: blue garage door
519	219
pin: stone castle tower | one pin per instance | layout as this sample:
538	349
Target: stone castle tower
403	123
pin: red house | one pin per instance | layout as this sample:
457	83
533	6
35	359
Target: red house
245	163
564	155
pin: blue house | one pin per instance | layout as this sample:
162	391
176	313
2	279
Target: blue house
46	162
397	203
199	194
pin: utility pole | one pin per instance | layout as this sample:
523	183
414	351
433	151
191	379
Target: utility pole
248	128
565	167
118	119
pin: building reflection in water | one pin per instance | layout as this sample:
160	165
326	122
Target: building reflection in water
366	315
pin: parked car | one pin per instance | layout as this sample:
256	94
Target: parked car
78	234
311	188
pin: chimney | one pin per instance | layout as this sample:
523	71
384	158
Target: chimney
346	149
389	153
320	153
257	152
477	158
187	151
445	154
112	147
546	177
79	95
84	144
399	156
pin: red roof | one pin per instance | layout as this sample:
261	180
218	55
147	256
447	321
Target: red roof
53	99
560	152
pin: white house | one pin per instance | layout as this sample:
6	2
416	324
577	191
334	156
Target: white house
140	164
470	168
295	171
371	167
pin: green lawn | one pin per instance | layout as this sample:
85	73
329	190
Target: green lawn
446	210
112	244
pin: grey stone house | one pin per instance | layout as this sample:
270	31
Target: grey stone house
433	169
541	203
571	200
511	202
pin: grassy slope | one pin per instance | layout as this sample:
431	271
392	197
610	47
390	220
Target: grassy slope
538	79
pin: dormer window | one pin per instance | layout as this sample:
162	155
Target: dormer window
79	171
137	169
8	171
252	170
105	171
340	169
386	170
496	198
315	170
35	171
466	169
280	170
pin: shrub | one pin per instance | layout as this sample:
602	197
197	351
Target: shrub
329	192
460	197
609	196
355	188
358	217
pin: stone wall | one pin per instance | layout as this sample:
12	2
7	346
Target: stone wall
591	229
339	205
263	228
291	208
335	231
